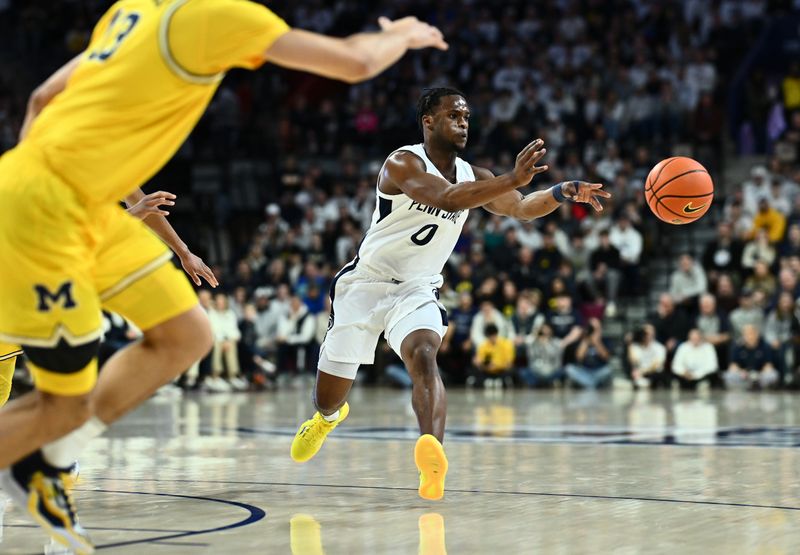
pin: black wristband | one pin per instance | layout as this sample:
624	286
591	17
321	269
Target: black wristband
558	193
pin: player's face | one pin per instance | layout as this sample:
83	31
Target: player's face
452	121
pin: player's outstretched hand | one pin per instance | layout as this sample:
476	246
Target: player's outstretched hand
588	193
418	33
526	167
195	268
151	204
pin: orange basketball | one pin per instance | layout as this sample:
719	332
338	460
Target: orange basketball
679	190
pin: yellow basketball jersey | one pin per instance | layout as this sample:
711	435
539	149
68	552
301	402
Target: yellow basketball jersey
150	70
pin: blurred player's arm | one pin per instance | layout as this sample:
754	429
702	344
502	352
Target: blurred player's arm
541	203
355	58
148	208
247	34
46	92
405	172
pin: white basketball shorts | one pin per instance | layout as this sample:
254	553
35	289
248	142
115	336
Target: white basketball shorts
363	306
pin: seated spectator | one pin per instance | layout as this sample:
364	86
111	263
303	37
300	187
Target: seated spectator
759	249
647	357
268	316
257	369
488	314
546	261
670	325
787	283
748	313
527	318
591	368
579	257
604	266
456	349
563	318
761	280
296	338
769	220
544	359
725	293
628	241
752	362
237	301
780	330
494	359
687	283
723	254
791	245
715	328
224	353
694	361
202	367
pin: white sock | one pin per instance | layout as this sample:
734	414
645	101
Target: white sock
62	452
331	417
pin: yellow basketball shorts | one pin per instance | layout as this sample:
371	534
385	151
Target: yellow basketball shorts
63	259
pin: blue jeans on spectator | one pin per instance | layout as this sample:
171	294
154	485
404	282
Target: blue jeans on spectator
531	378
589	378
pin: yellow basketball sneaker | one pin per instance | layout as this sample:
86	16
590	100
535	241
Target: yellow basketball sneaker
432	464
312	434
39	488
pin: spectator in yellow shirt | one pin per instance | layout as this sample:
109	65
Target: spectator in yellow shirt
769	219
494	359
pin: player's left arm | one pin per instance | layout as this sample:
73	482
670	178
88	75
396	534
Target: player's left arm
46	92
148	208
541	203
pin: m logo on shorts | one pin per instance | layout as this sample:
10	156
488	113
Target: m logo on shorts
47	299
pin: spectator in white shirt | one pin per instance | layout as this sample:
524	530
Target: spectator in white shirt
695	360
647	358
755	188
687	283
225	327
296	336
628	241
488	314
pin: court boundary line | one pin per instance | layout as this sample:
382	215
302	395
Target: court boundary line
478	492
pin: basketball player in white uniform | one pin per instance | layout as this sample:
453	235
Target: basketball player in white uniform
424	194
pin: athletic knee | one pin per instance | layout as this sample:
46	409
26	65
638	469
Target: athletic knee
422	357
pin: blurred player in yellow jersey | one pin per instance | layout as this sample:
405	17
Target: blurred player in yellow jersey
150	209
111	118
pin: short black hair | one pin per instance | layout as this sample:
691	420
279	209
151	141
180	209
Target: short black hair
490	330
430	98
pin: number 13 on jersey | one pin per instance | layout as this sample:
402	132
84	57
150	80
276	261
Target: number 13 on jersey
120	26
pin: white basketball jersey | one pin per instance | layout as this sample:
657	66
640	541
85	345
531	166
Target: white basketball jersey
408	240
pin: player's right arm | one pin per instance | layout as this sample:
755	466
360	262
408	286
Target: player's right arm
405	172
355	58
209	37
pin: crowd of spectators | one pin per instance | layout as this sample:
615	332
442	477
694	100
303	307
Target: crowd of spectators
280	180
